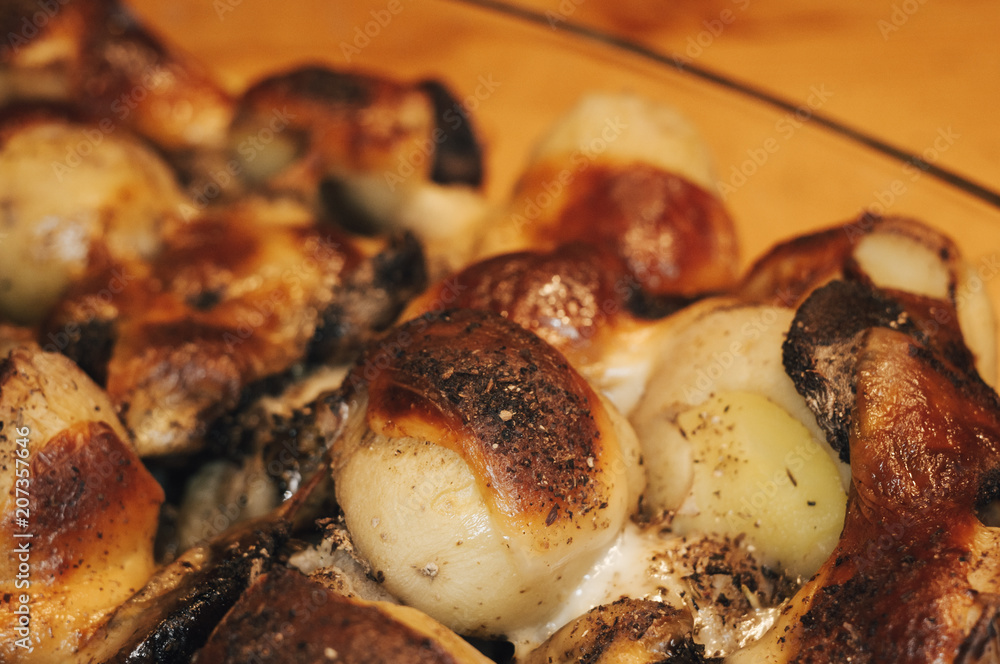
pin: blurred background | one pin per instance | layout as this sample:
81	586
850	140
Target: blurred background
923	75
904	70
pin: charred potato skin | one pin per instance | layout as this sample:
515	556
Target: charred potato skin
227	308
288	617
92	507
103	62
914	562
338	123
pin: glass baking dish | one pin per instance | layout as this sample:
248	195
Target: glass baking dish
784	168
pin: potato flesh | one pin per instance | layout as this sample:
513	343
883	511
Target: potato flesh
717	346
112	191
758	471
895	261
417	513
628	128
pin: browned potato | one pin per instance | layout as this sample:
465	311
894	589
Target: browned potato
78	508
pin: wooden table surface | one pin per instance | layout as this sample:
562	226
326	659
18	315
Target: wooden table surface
900	69
922	74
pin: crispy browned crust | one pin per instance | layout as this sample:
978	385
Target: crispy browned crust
790	271
914	577
72	20
674	238
119	73
573	297
76	504
787	273
91	503
350	120
341	122
86	482
531	429
88	485
230	301
628	630
287	617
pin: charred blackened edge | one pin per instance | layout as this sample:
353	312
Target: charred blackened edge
172	617
982	645
820	353
370	300
90	345
289	617
458	155
649	306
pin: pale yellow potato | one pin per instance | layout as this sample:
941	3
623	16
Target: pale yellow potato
713	347
416	512
66	189
758	471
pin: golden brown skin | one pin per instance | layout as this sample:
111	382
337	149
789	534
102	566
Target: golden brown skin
89	505
296	128
92	55
478	472
791	270
629	631
116	196
232	298
523	419
915	576
289	617
575	297
673	237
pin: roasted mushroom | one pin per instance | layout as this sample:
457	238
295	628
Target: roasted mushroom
892	253
94	56
289	617
376	154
